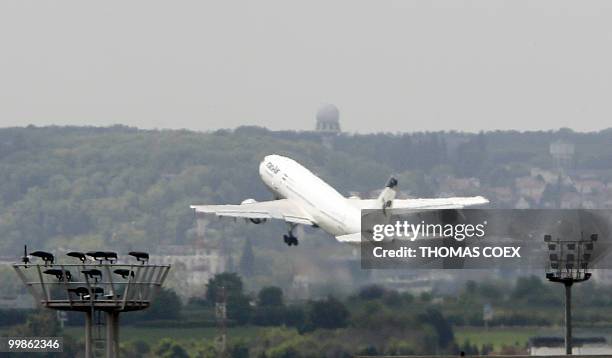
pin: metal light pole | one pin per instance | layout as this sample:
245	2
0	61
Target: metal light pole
96	285
568	318
221	315
569	261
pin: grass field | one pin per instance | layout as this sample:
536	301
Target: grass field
479	336
498	337
153	335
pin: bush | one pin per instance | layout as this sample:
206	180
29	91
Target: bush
294	316
12	317
268	316
329	313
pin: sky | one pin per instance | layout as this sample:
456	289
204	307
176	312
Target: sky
389	65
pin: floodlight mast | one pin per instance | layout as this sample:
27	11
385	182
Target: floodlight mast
569	264
95	287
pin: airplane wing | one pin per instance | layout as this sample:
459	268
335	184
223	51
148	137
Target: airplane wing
282	209
439	203
416	204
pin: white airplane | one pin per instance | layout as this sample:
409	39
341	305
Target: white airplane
303	198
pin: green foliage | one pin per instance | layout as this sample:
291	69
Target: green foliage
294	316
41	323
270	296
443	328
270	309
166	306
329	313
230	285
371	292
239	350
168	348
87	187
531	290
134	349
9	317
44	323
268	316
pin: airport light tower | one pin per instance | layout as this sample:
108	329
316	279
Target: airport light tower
95	285
568	264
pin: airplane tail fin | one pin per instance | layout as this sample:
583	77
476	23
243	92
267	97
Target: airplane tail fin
388	194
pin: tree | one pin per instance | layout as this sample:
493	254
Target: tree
533	291
270	309
270	296
239	350
239	309
167	305
294	316
371	292
238	304
329	313
443	328
44	323
134	349
229	281
168	348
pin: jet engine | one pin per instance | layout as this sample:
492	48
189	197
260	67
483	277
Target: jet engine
253	220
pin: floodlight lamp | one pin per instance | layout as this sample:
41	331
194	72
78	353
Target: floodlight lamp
91	273
140	256
59	274
79	255
25	258
547	238
97	255
79	291
110	256
47	257
124	273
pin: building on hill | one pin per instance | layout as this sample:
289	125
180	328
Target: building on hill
328	119
328	124
562	153
194	266
195	263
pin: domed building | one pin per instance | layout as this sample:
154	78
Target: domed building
328	119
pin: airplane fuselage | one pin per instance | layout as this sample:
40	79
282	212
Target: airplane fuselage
288	179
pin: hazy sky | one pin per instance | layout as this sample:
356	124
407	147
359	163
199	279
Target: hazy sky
388	65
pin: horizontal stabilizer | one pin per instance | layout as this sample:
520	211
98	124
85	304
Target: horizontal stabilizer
355	237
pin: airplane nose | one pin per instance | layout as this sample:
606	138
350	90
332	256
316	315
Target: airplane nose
261	166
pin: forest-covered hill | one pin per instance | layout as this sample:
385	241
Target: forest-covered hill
84	187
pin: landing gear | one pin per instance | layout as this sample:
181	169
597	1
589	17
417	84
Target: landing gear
290	239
